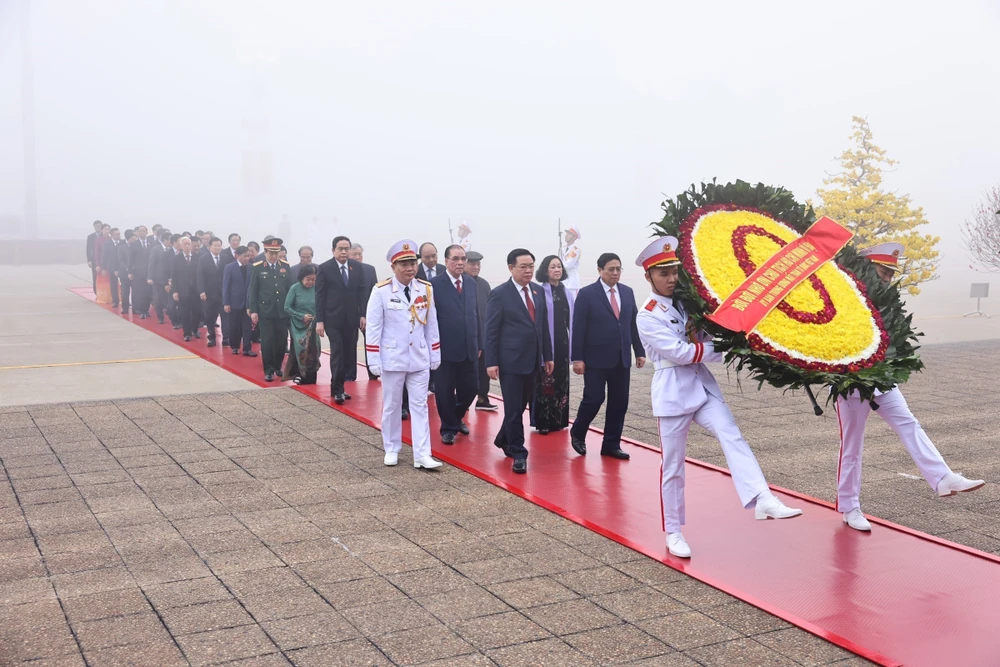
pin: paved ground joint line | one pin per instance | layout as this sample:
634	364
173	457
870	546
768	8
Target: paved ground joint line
98	363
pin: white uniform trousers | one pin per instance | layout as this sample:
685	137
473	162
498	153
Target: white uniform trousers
853	414
715	416
392	411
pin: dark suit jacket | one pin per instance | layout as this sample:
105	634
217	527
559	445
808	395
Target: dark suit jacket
438	270
482	297
91	238
210	277
139	257
600	339
337	304
371	278
159	264
109	256
124	260
226	257
458	318
235	287
513	342
185	276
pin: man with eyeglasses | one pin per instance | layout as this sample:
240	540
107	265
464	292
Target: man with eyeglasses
517	348
604	339
456	384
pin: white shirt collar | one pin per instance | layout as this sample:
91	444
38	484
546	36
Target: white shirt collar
341	265
607	287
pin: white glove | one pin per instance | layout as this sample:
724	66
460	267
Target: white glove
435	365
375	370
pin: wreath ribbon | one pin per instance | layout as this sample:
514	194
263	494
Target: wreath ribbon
771	282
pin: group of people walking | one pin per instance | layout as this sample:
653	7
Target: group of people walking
439	329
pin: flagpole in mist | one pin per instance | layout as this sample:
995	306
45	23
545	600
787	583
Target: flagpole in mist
28	125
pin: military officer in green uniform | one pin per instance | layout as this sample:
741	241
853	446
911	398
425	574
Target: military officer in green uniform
269	283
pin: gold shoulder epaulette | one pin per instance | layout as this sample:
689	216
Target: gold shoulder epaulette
426	282
384	282
258	263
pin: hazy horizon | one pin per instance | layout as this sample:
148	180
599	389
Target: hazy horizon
391	118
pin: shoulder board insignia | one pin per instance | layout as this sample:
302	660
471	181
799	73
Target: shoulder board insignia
258	263
281	261
651	305
387	281
423	281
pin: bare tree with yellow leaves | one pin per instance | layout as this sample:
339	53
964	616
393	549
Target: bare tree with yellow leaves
855	198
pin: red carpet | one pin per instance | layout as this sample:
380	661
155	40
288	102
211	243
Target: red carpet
895	596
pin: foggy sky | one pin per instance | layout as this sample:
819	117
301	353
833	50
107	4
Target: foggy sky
392	117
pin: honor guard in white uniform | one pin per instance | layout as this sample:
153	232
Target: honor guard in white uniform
403	347
569	254
465	236
685	391
852	413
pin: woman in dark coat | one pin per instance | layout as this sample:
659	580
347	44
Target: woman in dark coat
550	409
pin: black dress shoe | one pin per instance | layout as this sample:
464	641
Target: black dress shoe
347	396
520	466
579	445
176	326
160	321
197	335
404	414
225	342
187	339
338	399
448	438
236	350
268	377
143	316
543	431
211	343
616	454
278	374
463	429
250	353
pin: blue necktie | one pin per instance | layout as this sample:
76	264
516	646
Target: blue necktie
343	272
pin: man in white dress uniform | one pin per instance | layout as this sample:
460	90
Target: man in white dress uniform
852	412
685	391
403	347
570	256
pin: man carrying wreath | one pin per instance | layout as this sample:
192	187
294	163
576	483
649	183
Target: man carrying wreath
853	411
684	390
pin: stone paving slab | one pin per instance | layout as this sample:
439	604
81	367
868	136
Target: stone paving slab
261	528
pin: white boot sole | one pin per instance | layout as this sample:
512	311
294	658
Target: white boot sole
955	492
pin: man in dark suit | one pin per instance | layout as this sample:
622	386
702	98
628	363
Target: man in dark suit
341	305
142	292
91	244
230	252
428	267
517	346
210	285
370	279
604	338
473	265
305	259
124	269
110	260
160	263
184	285
235	287
455	380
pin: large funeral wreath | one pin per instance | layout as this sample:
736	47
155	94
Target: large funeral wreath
842	327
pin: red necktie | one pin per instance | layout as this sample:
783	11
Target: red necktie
458	286
531	304
614	304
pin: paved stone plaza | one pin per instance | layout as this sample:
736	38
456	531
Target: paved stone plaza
257	526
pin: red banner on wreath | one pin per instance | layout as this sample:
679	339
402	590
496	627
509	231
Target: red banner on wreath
766	287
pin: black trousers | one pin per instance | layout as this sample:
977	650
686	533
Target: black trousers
343	354
352	373
594	381
517	391
455	387
484	381
126	291
273	340
189	306
212	308
113	282
163	302
240	329
142	294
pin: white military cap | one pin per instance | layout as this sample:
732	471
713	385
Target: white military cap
576	232
400	250
466	225
886	254
661	252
